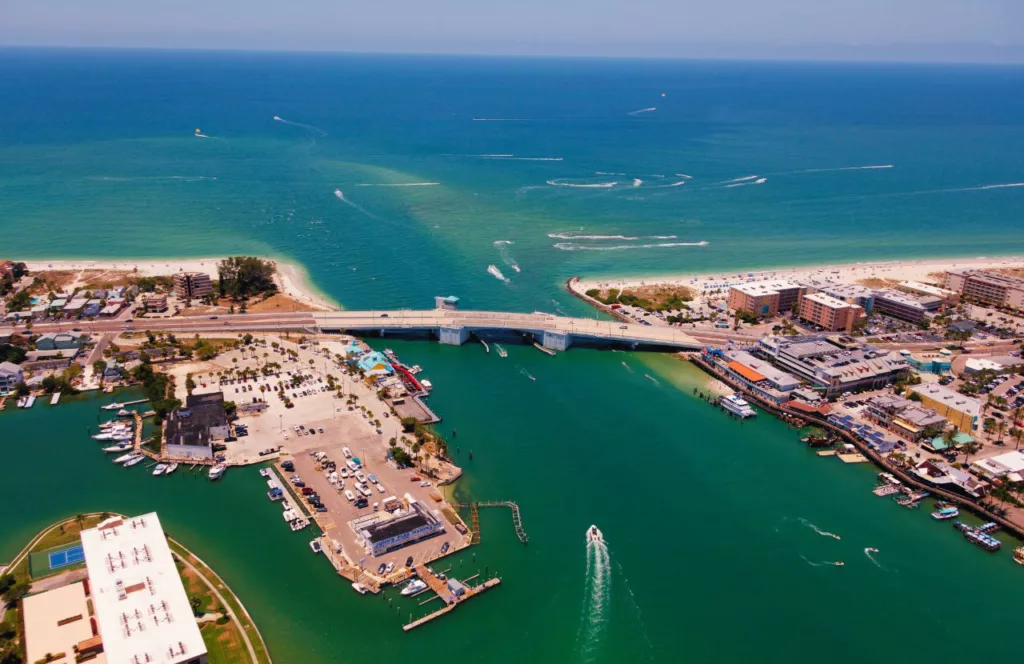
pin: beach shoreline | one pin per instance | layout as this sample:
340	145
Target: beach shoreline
899	270
292	278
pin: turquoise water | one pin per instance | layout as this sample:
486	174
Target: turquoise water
708	556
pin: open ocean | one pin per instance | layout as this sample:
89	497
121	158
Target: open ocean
395	179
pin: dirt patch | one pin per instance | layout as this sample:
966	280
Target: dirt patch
874	282
278	303
655	297
1012	271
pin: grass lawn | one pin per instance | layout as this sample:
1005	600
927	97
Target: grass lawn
223	645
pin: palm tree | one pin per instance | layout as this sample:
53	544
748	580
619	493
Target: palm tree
1017	433
971	448
80	520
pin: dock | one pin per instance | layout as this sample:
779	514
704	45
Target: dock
474	507
546	351
452	593
55	398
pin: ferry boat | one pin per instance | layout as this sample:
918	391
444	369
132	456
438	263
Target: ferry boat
413	587
138	458
945	513
594	535
171	468
217	471
160	469
113	406
737	406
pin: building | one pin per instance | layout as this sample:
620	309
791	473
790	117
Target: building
904	417
933	363
1009	465
92	307
765	298
862	296
192	285
911	308
946	476
374	363
949	298
987	287
757	370
141	607
61	341
59	621
449	303
961	411
828	313
831	368
75	307
10	375
382	535
6	334
189	432
154	302
110	310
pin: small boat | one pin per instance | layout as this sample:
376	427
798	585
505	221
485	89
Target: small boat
265	472
22	401
31	399
360	588
413	587
871	549
120	447
217	471
839	563
113	406
946	513
173	466
124	457
160	469
124	412
136	459
501	351
315	546
297	524
594	535
347	452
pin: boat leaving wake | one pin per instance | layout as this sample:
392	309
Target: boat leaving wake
628	368
641	111
398	184
594	616
651	378
526	373
576	246
818	530
502	246
311	128
496	273
870	550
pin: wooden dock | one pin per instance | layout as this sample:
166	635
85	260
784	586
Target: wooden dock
474	512
451	600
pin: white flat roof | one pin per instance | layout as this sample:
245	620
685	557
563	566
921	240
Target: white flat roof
139	600
765	287
56	621
950	398
926	288
828	301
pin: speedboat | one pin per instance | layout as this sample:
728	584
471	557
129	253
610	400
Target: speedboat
413	587
315	546
737	406
171	468
124	457
594	535
216	471
360	588
113	406
160	468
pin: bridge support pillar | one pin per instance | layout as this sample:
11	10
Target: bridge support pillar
556	340
453	336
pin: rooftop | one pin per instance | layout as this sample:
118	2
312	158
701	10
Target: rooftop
995	278
907	299
828	301
922	287
191	425
761	368
140	603
56	621
415	518
756	288
949	398
837	289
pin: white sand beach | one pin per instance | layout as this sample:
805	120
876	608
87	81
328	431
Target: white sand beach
903	270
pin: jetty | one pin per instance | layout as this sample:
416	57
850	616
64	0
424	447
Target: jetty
452	592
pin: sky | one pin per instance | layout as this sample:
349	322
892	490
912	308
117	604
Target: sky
936	30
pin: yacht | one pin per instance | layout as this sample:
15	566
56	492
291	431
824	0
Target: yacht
594	535
136	458
216	471
113	406
120	447
160	469
737	406
171	468
413	587
124	457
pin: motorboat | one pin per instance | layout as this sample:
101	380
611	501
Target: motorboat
946	513
113	406
413	587
360	588
265	472
136	459
120	447
315	546
173	466
737	406
124	457
594	535
217	471
160	469
1018	555
124	412
501	351
347	452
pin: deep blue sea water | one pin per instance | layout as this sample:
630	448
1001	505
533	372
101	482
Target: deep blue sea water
710	560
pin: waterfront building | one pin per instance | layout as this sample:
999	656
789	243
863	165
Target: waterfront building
987	287
949	298
189	432
10	375
904	306
140	604
189	285
946	476
962	411
381	533
933	363
60	621
828	313
374	363
756	370
154	302
862	296
765	298
904	417
831	368
1009	465
61	341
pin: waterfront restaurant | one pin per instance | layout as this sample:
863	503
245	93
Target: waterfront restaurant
384	534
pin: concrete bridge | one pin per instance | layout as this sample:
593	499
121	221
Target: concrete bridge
456	327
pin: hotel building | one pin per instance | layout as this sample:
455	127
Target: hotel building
949	298
905	306
828	313
987	287
765	298
189	285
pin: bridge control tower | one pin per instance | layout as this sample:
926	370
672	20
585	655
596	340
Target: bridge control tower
449	303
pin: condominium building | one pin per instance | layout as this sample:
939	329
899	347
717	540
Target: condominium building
961	411
987	287
192	285
765	298
10	375
905	306
828	313
905	417
154	302
862	296
949	298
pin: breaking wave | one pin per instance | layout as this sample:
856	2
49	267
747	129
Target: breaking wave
576	246
398	184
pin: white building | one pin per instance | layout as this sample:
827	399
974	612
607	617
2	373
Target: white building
10	375
140	603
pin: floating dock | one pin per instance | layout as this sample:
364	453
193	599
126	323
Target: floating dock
55	398
452	592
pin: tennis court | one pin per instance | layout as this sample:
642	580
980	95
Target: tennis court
51	561
67	557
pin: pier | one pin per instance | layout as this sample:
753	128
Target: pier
452	592
474	512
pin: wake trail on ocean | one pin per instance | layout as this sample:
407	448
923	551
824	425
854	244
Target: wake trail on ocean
496	273
506	256
576	246
341	197
823	533
307	127
398	184
641	111
597	595
873	167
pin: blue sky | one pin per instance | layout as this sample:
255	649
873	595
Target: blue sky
952	30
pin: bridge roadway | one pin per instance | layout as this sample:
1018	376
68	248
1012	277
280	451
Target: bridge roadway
453	327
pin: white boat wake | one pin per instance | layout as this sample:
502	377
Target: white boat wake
526	373
641	111
576	246
398	184
310	128
506	257
652	379
341	197
496	273
597	596
868	552
847	168
823	533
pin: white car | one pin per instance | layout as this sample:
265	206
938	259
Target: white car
380	487
389	568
